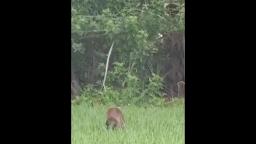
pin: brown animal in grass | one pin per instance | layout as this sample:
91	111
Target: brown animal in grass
115	118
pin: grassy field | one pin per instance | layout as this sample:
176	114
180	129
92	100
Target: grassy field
153	125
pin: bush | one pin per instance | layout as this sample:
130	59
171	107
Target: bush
130	94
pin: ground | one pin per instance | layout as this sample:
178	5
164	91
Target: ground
151	125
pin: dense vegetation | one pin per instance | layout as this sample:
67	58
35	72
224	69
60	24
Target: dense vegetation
145	61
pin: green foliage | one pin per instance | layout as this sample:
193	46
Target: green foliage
130	93
117	76
152	93
155	86
134	27
91	96
112	96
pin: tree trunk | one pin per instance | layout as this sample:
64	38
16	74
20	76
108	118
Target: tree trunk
75	86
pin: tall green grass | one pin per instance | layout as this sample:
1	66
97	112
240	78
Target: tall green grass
144	125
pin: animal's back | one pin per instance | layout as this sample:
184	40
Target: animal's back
115	118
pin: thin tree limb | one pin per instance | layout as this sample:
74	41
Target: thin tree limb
106	70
